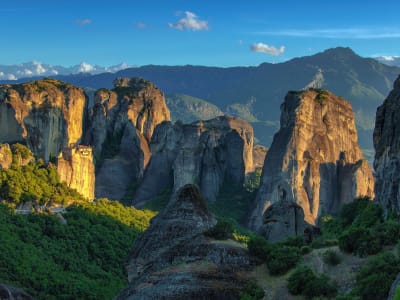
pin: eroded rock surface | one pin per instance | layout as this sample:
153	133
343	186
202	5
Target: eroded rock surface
387	150
75	167
5	156
46	115
121	124
173	259
314	161
207	153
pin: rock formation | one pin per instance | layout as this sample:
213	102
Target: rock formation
314	161
8	292
121	124
46	115
387	151
5	156
75	167
207	153
174	259
259	153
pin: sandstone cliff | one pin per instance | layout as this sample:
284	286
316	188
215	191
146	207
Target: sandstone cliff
174	259
75	167
5	156
207	153
314	161
387	150
121	124
47	115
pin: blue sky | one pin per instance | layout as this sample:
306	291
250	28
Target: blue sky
197	32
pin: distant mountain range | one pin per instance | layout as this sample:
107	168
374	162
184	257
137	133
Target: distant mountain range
34	69
255	93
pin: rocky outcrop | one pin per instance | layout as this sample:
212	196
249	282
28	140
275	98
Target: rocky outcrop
121	124
75	167
259	153
46	115
207	153
174	259
8	292
387	151
314	161
5	156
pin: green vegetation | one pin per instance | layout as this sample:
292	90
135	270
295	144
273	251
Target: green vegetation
376	277
81	260
331	257
252	291
303	281
37	182
321	96
279	257
111	146
221	231
361	229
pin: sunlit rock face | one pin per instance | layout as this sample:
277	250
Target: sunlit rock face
75	167
5	156
207	153
314	162
120	126
174	259
46	115
387	151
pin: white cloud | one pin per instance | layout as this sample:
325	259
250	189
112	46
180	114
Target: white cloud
189	22
83	21
338	33
264	48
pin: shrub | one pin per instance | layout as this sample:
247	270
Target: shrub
331	257
299	279
221	231
359	240
303	281
305	250
252	291
282	258
259	247
376	277
320	286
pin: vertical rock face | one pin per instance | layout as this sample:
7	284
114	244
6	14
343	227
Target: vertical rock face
5	156
121	124
207	153
47	115
387	150
174	259
314	161
75	167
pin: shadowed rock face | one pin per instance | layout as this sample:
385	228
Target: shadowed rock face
173	259
47	115
314	161
387	150
121	124
207	153
8	292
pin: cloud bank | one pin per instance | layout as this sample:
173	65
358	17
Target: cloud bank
189	22
267	49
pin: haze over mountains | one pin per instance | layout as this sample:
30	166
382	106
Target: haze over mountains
256	93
